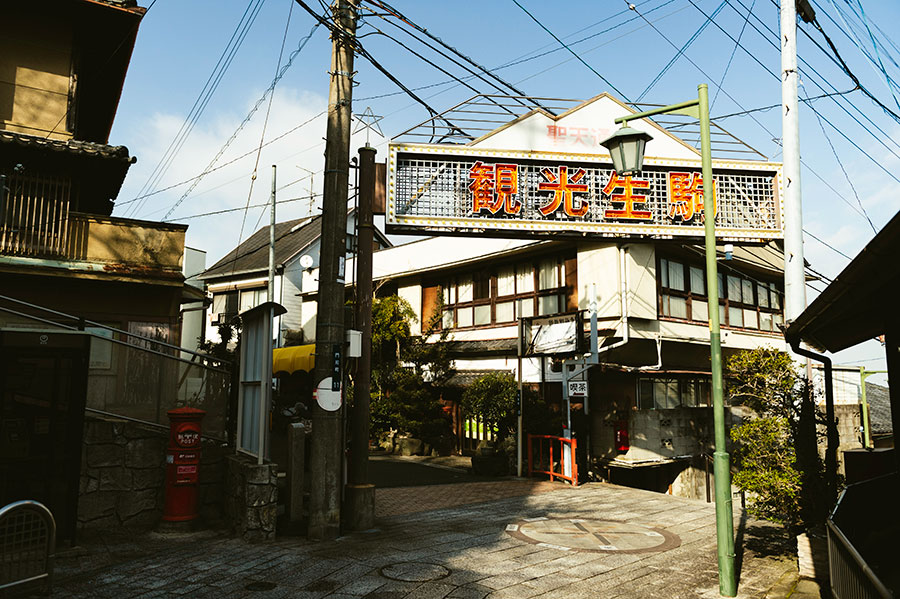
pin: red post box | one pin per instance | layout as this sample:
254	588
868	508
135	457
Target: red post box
182	464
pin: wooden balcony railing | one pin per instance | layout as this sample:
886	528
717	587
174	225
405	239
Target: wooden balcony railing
34	216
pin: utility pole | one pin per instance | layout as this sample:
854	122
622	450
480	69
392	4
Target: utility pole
360	502
794	273
327	447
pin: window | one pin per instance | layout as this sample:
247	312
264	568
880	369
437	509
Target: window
502	296
744	302
225	303
668	393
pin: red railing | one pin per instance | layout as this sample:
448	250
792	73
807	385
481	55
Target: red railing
553	456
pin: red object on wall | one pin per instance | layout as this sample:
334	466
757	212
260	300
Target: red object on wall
182	464
622	443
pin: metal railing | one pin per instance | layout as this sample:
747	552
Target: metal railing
856	566
139	376
27	543
34	216
554	456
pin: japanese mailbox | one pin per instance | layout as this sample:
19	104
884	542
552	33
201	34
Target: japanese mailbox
182	464
435	189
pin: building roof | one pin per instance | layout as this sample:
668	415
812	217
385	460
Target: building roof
879	400
96	169
253	254
856	306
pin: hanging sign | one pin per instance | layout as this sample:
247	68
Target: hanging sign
434	189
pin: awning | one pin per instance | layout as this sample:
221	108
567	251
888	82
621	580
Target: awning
292	359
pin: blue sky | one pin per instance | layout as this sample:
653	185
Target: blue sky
180	42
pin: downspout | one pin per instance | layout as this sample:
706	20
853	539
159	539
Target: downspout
623	302
832	434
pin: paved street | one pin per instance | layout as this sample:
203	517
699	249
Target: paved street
502	539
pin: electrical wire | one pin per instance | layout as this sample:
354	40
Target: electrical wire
224	164
403	18
247	118
203	98
737	44
843	170
572	52
229	210
262	135
828	245
681	51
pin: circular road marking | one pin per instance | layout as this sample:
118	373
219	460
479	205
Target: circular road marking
414	572
603	536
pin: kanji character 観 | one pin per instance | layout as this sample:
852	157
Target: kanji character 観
493	187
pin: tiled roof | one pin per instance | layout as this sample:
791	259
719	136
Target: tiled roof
253	254
82	148
879	400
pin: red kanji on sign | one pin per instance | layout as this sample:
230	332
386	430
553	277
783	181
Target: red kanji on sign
563	189
627	197
493	186
686	195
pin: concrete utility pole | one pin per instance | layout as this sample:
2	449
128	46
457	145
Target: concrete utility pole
360	503
327	446
794	273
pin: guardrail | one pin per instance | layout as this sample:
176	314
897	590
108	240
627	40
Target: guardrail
554	456
27	543
857	562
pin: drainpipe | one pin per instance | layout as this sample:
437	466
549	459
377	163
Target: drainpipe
832	434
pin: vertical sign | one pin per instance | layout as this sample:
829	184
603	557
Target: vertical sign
336	367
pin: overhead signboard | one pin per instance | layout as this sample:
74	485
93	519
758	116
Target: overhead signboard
552	335
439	189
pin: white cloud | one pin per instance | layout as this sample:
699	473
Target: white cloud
229	186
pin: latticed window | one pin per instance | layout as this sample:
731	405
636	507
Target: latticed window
658	393
744	302
505	294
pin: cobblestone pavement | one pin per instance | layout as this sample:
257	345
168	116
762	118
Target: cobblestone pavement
471	551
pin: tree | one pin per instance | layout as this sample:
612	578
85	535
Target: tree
494	397
408	372
776	449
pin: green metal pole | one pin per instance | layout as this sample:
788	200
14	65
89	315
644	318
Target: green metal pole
864	403
864	407
721	467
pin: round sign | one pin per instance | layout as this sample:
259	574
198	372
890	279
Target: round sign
327	399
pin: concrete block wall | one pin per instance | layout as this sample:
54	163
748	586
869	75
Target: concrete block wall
123	471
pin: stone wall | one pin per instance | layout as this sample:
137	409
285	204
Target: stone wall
123	470
251	503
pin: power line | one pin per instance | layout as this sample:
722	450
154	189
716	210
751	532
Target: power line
737	44
238	209
203	98
828	245
681	51
249	116
564	45
843	170
397	14
223	165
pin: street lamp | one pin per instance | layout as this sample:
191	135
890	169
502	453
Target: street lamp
626	147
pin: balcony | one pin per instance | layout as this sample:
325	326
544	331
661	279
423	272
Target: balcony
40	230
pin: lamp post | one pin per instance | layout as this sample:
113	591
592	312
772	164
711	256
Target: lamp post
626	147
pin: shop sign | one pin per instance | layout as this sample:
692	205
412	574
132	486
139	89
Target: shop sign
435	189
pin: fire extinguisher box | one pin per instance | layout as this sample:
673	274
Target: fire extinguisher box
182	464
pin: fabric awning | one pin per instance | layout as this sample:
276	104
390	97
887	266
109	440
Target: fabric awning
292	359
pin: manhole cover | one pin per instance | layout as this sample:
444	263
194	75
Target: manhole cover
260	585
414	572
578	534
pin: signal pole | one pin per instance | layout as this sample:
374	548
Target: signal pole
326	452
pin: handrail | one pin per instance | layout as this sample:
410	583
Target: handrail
856	567
84	322
563	442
